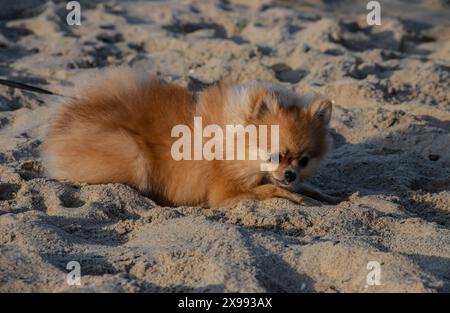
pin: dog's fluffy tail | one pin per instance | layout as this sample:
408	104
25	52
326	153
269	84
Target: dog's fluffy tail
87	141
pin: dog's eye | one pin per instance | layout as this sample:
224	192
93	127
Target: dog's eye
303	162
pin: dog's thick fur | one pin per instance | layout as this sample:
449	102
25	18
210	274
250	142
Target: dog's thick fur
119	131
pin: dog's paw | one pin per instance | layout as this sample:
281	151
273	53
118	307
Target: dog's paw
296	198
337	198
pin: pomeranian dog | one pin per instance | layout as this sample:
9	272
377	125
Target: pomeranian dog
120	130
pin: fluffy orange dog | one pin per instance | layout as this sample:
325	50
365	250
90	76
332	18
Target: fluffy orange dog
119	131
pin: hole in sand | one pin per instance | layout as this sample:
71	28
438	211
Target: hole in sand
8	191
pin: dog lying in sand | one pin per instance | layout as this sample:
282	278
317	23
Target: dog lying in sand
120	130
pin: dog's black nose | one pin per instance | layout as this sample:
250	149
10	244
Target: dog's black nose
290	176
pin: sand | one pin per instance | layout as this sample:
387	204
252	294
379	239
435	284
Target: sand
391	151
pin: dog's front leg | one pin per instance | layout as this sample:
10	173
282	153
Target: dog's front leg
261	192
268	191
318	195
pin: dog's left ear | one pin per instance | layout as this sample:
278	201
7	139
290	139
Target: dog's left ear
320	110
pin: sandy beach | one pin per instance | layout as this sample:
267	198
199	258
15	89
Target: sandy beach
390	154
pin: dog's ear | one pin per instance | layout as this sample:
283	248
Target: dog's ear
260	103
320	110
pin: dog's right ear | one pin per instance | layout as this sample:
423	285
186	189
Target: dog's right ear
260	103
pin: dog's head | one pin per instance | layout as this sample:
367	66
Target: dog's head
303	129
